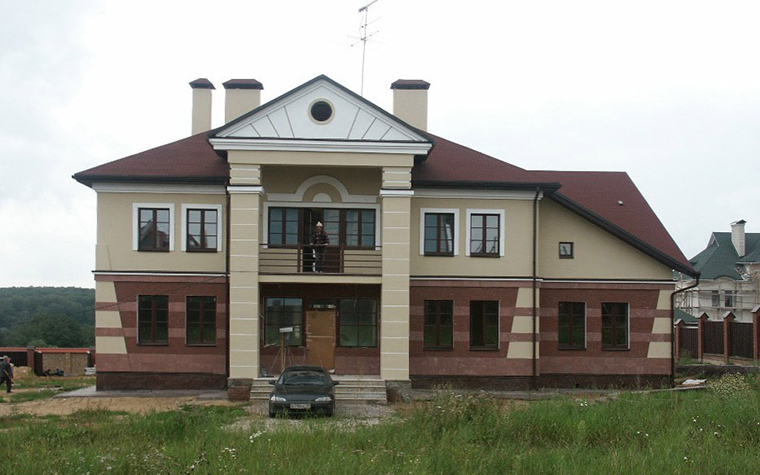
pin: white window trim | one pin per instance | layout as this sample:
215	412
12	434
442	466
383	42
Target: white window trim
219	224
424	211
501	213
136	222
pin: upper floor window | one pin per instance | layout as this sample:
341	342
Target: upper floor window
614	326
358	322
352	228
283	226
484	234
572	325
715	298
201	320
153	319
202	229
439	234
154	229
484	324
439	324
728	298
566	250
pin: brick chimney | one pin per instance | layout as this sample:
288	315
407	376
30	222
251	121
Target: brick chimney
241	96
410	101
737	237
202	88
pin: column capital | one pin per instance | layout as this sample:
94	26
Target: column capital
247	189
384	193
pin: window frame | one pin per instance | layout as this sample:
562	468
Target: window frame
338	240
502	231
729	299
437	325
484	346
455	237
152	341
572	316
136	207
340	325
186	208
267	324
571	255
201	320
613	346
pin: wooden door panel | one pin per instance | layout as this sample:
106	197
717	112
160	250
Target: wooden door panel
320	338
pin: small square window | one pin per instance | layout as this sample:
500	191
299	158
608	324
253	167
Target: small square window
566	250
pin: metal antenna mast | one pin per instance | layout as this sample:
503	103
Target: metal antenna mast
364	37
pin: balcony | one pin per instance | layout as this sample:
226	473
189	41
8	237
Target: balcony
301	260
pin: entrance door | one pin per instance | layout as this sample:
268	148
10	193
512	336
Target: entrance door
320	337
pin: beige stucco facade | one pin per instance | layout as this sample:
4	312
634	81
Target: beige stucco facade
598	254
117	230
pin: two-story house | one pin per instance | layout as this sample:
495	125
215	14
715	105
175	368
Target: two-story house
729	280
444	265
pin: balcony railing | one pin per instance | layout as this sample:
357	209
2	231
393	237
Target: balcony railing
302	259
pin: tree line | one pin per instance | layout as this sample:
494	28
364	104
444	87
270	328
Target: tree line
47	317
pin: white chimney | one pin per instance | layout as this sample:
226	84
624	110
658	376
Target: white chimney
241	97
410	101
737	237
201	122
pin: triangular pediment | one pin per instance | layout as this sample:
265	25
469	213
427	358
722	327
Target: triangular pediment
321	109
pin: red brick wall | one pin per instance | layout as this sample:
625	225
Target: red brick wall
176	356
461	360
642	303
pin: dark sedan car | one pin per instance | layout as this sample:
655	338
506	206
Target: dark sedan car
303	389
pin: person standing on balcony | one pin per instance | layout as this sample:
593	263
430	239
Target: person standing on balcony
319	242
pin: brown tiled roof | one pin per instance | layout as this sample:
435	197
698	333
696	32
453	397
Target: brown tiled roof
190	160
593	195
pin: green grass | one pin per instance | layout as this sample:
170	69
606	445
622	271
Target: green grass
712	431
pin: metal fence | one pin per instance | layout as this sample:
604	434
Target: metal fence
740	340
712	338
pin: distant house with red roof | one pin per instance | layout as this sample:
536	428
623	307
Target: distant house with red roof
444	265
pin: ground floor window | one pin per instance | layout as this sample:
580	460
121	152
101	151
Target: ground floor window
614	326
283	312
439	325
572	325
201	320
358	322
153	319
484	324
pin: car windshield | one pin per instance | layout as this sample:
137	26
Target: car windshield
303	378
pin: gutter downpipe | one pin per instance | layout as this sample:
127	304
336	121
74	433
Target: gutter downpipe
673	327
227	272
534	378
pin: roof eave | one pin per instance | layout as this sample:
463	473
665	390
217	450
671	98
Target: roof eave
89	180
546	187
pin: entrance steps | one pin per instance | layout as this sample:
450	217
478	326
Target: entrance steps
351	389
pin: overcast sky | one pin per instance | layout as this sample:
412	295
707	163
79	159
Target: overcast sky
668	91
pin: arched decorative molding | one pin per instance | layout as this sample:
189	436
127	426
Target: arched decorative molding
345	196
322	198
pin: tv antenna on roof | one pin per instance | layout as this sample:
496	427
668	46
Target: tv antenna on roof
364	37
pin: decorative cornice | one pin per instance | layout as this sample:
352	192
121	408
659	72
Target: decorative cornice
298	145
105	187
396	193
248	189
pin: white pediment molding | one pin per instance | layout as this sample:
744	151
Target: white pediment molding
354	125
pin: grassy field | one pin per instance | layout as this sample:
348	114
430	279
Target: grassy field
32	388
712	431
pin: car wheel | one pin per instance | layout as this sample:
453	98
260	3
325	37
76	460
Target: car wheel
272	414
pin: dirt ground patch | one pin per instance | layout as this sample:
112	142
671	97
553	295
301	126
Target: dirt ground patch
67	406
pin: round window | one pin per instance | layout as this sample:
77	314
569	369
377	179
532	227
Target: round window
321	111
